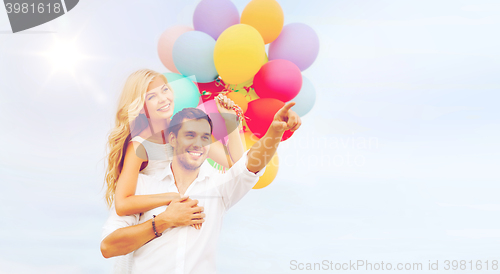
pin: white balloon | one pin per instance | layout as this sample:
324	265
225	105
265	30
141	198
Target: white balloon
304	101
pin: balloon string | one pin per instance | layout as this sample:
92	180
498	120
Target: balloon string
227	88
206	95
239	112
236	109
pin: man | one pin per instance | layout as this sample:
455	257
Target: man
162	239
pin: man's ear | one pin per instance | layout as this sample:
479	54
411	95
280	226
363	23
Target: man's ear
171	139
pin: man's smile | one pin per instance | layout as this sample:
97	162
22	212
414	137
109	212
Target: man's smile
196	154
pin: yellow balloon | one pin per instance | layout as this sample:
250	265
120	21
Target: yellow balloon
239	53
270	173
271	167
249	82
266	16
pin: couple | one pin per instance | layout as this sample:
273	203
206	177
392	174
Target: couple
152	217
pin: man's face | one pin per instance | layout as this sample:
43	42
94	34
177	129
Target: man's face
192	143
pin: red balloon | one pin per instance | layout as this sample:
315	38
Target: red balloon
211	89
260	115
279	79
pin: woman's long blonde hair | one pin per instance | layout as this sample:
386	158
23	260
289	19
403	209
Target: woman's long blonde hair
129	123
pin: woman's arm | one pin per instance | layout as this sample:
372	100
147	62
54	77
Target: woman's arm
182	212
218	152
126	202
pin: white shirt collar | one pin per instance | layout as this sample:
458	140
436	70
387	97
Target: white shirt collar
205	171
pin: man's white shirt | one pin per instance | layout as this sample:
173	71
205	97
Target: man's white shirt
186	249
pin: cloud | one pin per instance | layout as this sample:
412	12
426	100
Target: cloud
393	111
10	267
475	233
429	21
486	207
336	49
479	8
338	126
433	112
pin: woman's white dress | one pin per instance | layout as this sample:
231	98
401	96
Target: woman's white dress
159	157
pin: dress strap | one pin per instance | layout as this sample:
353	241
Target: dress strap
137	139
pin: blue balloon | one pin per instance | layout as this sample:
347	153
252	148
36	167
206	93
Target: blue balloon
193	54
186	93
304	101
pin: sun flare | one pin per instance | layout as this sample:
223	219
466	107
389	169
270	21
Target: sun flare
64	56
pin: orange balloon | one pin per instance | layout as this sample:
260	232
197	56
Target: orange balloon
271	167
239	99
266	16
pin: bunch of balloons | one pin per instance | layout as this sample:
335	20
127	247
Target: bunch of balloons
226	53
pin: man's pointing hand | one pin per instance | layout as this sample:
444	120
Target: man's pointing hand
286	119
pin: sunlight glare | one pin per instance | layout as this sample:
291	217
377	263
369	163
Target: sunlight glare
64	56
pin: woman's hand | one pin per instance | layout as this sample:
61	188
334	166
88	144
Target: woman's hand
169	196
224	105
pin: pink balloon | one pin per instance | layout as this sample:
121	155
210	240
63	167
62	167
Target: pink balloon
166	44
279	79
219	125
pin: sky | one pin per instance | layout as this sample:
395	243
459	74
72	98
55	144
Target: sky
397	161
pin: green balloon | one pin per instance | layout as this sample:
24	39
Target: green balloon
186	94
215	165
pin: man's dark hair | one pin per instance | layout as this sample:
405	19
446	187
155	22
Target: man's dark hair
187	113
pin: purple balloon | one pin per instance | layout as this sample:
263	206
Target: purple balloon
214	16
297	43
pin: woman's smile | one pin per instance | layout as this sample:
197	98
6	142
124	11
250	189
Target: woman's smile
164	108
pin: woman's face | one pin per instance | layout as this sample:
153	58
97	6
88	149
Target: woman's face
159	102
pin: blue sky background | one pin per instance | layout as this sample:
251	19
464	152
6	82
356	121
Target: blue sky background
397	162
